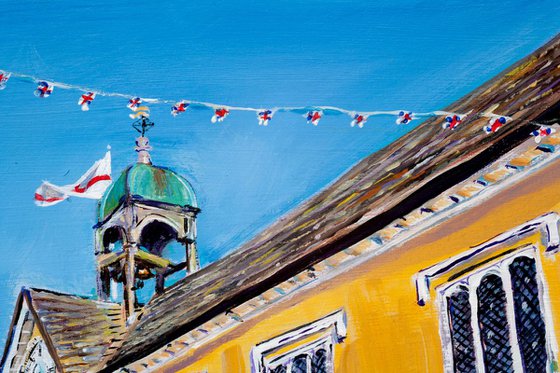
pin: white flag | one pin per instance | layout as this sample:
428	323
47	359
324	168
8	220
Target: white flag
92	185
48	195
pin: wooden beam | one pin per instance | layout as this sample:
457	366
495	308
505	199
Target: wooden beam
147	257
103	260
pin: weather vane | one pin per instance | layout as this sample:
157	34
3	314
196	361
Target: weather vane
142	125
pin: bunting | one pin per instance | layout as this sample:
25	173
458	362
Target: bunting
313	114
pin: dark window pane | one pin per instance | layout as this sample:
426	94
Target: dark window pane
279	369
319	362
299	364
494	329
459	311
530	325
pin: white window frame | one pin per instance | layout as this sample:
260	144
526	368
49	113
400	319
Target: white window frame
308	350
546	224
471	281
331	329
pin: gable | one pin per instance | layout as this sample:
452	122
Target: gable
76	331
23	328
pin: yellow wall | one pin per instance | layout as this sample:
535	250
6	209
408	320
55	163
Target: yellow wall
387	330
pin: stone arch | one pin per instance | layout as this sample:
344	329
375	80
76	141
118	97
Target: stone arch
172	223
156	234
112	235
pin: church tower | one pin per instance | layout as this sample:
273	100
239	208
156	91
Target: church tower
144	211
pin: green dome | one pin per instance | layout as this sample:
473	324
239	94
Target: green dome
147	183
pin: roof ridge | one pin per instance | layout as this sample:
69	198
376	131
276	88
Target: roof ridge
78	296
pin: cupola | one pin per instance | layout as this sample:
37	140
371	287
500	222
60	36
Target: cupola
146	209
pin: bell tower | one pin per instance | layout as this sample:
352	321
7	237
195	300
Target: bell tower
144	211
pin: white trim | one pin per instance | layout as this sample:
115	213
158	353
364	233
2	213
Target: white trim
478	353
324	342
510	314
547	223
470	283
16	337
546	312
334	323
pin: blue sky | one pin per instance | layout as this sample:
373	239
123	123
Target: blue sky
360	55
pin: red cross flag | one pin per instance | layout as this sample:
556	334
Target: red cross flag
91	185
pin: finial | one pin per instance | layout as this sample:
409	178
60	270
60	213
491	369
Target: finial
142	125
142	148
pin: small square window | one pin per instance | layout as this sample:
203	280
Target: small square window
307	349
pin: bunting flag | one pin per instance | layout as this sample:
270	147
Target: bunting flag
44	90
494	124
312	114
404	117
358	120
133	103
542	132
451	122
179	107
264	117
4	77
85	100
91	185
219	115
138	111
314	117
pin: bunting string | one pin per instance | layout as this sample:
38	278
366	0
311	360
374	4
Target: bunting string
312	114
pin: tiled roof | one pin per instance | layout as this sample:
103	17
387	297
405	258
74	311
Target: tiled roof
79	329
379	190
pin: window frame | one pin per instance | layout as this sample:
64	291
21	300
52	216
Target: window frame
330	330
325	342
470	281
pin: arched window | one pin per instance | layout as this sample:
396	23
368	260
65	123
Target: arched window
113	239
494	318
160	239
319	361
299	365
494	329
459	311
111	277
156	235
531	331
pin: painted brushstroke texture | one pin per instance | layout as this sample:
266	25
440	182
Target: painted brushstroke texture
346	54
385	325
368	197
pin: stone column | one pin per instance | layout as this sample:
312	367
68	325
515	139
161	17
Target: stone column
130	278
193	263
103	284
